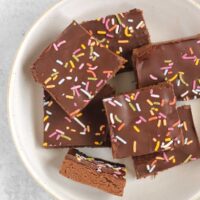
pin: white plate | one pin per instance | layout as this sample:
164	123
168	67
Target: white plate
166	20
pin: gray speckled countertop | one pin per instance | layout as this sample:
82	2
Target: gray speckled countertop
16	18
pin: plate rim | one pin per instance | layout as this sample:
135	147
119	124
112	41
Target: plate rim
8	99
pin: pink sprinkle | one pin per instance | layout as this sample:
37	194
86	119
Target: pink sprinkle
198	42
138	121
103	20
86	100
111	103
194	85
151	91
87	86
106	24
170	129
68	119
153	77
77	92
143	119
186	57
167	67
165	156
61	43
76	51
93	68
136	95
55	47
75	104
110	35
75	87
162	115
59	131
81	66
58	137
99	83
53	134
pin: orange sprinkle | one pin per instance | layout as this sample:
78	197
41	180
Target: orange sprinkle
185	126
123	41
45	144
191	50
47	80
112	28
121	127
74	113
173	102
50	86
190	142
175	124
152	118
89	64
91	72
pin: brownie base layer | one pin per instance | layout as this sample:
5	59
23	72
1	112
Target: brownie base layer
83	174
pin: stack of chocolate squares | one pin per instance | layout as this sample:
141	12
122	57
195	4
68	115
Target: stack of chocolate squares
81	109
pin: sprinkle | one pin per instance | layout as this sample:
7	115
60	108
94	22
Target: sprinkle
92	78
83	46
132	106
155	95
162	115
46	118
185	126
159	123
126	32
46	126
55	46
157	146
197	62
61	81
101	32
82	133
50	86
53	134
92	72
81	66
134	146
130	20
164	122
69	78
123	41
118	103
152	118
173	78
121	127
143	119
61	43
140	25
117	119
99	83
151	170
69	97
72	64
184	94
188	158
181	79
138	107
45	144
59	62
74	112
167	145
136	95
47	80
118	19
86	93
79	122
121	140
66	137
149	102
111	118
76	51
136	129
153	77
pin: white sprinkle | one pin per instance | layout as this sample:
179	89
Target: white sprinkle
46	103
186	141
59	131
180	125
164	146
194	91
155	95
61	81
113	21
117	29
151	170
120	49
76	79
83	83
111	118
83	133
79	122
69	78
178	82
121	140
54	70
141	24
185	93
86	93
46	127
127	99
118	103
130	20
148	167
165	72
138	107
108	99
96	54
48	112
59	62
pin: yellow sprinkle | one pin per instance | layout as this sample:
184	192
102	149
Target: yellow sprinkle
126	32
101	32
75	58
156	103
47	80
66	65
69	97
168	139
79	114
118	19
185	126
152	113
159	123
72	64
134	146
132	106
181	79
171	157
188	158
45	118
149	102
174	160
164	122
157	146
83	46
55	77
98	143
66	137
92	78
80	55
197	62
117	52
123	41
136	128
50	86
45	144
168	61
173	78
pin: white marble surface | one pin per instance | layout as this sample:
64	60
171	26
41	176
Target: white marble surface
16	18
